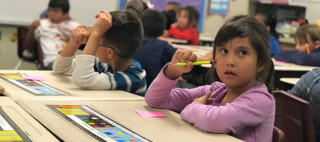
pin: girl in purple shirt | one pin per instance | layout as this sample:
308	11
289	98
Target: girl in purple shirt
238	102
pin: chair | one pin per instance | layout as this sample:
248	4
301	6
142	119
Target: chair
30	53
278	135
293	117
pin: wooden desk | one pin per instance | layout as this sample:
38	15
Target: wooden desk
292	81
169	129
63	83
200	51
287	43
30	127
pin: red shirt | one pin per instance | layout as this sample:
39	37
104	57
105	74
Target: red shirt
190	35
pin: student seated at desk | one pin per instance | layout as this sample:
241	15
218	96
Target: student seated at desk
307	50
308	88
54	31
153	53
239	103
186	27
114	38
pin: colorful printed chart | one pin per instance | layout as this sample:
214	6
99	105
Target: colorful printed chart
35	87
96	125
9	132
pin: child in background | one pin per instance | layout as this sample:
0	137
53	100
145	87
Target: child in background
307	50
308	88
239	105
171	11
137	6
186	27
114	38
153	53
53	32
273	35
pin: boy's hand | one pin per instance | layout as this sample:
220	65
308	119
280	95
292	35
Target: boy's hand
35	23
205	99
181	56
103	23
79	36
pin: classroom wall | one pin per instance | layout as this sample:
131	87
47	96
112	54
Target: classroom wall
212	23
312	9
23	12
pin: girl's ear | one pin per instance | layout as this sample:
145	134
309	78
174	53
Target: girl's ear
317	44
260	68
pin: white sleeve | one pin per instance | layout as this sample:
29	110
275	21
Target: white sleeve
37	33
85	76
64	65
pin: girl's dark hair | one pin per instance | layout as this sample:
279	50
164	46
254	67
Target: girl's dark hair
63	4
193	16
243	26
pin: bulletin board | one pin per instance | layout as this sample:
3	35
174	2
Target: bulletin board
220	7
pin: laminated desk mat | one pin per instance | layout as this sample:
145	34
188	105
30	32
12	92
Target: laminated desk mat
35	87
9	131
95	124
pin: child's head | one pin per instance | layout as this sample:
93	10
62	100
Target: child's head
241	49
173	6
136	5
307	35
188	17
154	23
58	10
125	35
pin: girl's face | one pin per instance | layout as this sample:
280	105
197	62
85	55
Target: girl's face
237	63
183	20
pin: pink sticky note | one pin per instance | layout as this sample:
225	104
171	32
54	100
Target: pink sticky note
150	114
34	78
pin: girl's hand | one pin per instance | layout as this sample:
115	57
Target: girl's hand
181	56
103	23
79	36
205	99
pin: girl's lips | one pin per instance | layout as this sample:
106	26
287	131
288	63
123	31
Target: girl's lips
230	73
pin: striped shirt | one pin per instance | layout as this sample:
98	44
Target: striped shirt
89	73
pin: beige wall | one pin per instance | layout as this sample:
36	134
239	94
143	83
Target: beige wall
312	13
212	23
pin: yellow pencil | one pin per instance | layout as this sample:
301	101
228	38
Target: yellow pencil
197	63
308	50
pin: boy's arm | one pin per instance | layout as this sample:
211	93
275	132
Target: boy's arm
101	26
30	39
64	63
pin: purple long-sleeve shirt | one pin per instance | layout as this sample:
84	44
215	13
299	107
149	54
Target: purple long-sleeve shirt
249	117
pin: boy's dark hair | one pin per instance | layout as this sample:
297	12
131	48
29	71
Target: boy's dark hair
269	19
176	6
63	4
171	18
136	6
193	16
154	23
243	26
126	33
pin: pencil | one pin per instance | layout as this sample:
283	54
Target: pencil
197	63
308	50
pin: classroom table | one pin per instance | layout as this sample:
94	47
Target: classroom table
31	128
64	84
292	81
206	40
200	51
172	128
177	41
291	70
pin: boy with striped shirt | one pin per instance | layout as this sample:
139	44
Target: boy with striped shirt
114	38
